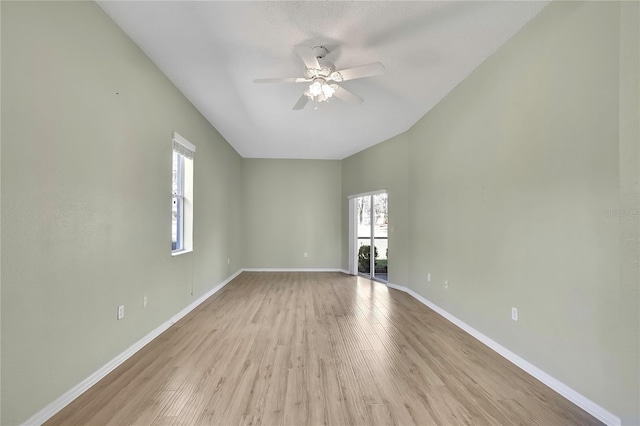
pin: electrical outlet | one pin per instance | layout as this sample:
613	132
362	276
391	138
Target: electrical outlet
446	285
228	261
428	277
120	312
144	302
514	314
305	254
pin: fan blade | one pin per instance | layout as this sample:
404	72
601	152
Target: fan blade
346	96
302	102
282	80
359	72
308	56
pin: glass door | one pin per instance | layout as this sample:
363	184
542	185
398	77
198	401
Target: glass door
371	222
380	237
363	220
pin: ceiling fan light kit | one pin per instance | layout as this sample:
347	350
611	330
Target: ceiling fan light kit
322	77
319	89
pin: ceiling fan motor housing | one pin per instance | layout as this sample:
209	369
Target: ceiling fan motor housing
325	70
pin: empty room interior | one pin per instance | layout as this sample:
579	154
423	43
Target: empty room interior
338	213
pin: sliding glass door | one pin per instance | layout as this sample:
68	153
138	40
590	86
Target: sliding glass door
380	237
371	221
364	234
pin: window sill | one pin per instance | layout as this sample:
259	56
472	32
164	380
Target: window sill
179	252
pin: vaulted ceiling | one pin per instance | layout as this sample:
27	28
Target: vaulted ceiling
212	51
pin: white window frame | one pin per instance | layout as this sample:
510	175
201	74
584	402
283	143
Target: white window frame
185	151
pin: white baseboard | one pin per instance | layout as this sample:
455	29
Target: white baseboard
292	270
578	399
65	399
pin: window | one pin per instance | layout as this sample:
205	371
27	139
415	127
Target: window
182	196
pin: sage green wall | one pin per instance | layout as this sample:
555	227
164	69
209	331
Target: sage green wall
511	178
87	121
628	337
291	207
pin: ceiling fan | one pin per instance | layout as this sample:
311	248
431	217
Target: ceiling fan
323	78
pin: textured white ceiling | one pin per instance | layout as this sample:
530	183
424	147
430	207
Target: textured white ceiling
212	51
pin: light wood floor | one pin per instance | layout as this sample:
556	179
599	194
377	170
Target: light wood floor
317	348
